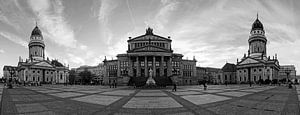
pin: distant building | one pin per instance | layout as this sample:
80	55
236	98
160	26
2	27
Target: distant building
97	72
10	72
150	54
297	79
36	68
287	72
209	74
256	65
229	73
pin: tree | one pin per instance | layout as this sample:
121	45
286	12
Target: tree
86	76
72	76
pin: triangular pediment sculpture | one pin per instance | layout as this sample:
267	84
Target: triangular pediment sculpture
248	61
45	64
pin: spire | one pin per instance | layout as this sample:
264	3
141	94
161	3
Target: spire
257	15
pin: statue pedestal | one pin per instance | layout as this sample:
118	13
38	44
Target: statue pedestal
150	81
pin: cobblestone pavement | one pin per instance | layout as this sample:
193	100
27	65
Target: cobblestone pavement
188	100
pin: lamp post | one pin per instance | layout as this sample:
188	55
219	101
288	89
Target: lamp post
11	71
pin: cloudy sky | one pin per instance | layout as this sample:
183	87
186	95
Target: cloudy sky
82	32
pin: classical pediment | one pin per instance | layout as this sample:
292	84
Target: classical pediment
149	38
43	63
248	61
150	49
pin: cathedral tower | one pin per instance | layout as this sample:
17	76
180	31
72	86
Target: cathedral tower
36	45
257	40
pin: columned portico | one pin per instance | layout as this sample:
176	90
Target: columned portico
147	52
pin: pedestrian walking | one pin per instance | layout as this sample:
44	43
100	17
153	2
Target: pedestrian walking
204	86
174	87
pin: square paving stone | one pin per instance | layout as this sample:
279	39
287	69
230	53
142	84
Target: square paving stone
234	93
204	99
226	109
271	106
153	93
32	107
119	92
244	103
39	97
41	113
21	98
186	92
66	94
181	113
152	102
252	90
49	91
260	112
89	91
212	91
98	99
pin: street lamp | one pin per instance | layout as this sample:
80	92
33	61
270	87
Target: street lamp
11	71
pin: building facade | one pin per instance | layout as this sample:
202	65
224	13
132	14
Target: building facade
287	72
150	54
229	74
10	72
96	71
38	69
256	65
209	75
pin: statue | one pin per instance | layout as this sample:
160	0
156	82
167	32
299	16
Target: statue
150	80
149	31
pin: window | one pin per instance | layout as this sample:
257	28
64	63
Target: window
38	71
225	77
259	69
33	78
33	71
61	76
47	72
245	71
142	63
254	70
157	63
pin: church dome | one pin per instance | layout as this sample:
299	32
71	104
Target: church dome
36	31
257	25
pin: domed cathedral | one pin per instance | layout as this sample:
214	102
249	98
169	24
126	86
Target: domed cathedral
150	55
38	69
36	45
256	66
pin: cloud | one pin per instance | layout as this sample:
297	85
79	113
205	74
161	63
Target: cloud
50	15
164	14
2	51
75	59
14	38
105	10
